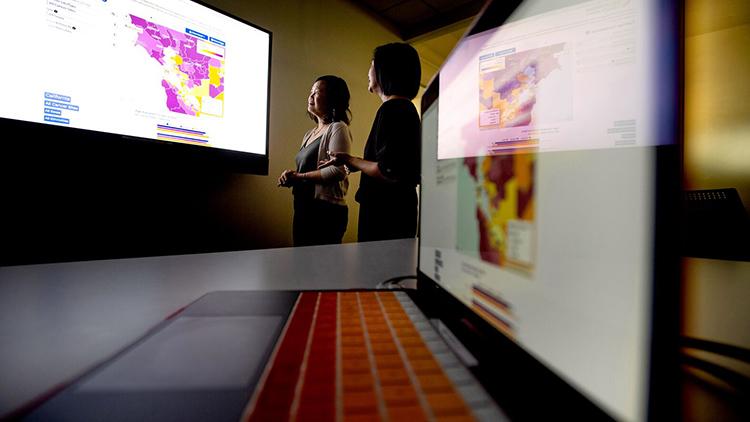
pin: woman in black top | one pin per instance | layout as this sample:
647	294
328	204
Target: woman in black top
390	167
320	211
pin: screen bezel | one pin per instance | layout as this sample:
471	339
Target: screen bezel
523	386
107	145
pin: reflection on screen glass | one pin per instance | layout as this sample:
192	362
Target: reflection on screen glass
543	136
557	76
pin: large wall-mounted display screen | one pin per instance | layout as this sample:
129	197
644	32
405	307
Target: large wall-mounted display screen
168	70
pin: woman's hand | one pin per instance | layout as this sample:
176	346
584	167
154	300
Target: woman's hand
287	178
337	159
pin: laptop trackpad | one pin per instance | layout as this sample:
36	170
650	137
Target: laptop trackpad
193	353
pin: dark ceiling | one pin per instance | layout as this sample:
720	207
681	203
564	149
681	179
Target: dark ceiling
411	18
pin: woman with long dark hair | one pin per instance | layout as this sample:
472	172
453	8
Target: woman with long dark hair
320	211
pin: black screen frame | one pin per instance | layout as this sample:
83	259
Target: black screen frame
59	142
524	387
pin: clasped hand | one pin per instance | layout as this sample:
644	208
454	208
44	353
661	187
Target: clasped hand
287	178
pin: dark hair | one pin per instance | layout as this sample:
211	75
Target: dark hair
397	69
337	100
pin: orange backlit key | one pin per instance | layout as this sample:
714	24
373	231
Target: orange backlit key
359	382
407	332
381	338
355	366
358	353
359	417
393	377
411	341
389	362
360	403
396	395
408	413
418	353
393	307
351	341
378	328
425	366
352	331
437	383
384	349
447	404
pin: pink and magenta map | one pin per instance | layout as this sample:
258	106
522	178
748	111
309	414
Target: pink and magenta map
193	68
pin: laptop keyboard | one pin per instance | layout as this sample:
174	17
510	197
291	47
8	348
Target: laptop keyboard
362	356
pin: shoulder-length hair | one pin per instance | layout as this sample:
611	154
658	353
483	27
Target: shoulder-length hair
397	69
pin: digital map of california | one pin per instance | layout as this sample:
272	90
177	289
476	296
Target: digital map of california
502	213
508	82
193	69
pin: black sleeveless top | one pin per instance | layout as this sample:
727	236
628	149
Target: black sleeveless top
307	160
